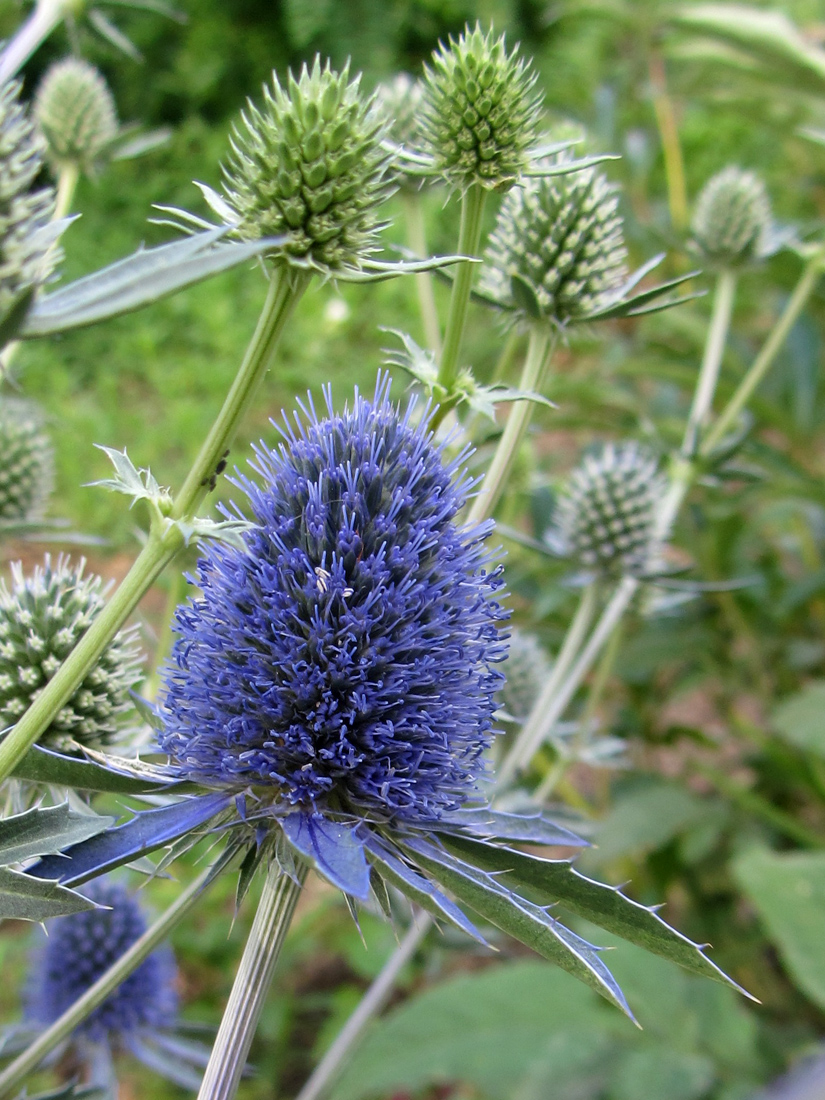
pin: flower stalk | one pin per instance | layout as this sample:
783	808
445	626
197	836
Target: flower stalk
711	360
469	240
37	28
417	240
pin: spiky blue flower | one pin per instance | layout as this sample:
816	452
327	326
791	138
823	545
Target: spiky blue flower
343	662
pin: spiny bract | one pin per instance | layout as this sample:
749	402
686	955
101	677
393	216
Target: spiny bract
732	221
481	112
76	113
606	516
80	948
26	461
309	165
343	659
42	616
27	253
557	252
525	671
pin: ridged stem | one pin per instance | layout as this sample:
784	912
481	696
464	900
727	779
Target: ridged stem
711	360
469	240
539	354
95	995
417	240
369	1006
252	981
165	540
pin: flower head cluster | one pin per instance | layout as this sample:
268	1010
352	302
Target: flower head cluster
481	112
27	253
525	671
310	166
557	252
26	461
606	517
343	661
80	948
42	616
732	223
76	113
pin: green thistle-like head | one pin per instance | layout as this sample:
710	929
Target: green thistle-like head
42	616
76	113
557	251
399	102
732	224
309	165
606	515
525	671
481	112
26	461
27	254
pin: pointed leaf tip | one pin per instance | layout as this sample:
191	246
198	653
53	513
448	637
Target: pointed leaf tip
334	850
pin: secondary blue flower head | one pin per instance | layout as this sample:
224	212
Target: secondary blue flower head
343	662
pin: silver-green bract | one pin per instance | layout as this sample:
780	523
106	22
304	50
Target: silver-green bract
42	616
27	255
525	671
310	165
606	516
26	461
557	252
732	223
76	113
481	112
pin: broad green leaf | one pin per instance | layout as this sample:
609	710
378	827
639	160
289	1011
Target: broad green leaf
25	898
800	719
46	831
788	891
548	881
661	1074
643	818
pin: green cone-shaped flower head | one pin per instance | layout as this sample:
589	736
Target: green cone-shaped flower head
27	256
309	165
606	516
481	113
732	224
75	110
26	461
41	618
557	251
525	670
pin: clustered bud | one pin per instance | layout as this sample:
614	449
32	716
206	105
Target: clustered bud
525	671
76	113
481	112
42	616
310	166
732	223
557	252
26	461
606	516
27	254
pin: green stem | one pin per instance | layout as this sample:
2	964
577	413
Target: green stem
539	353
45	17
711	361
764	360
417	239
508	353
67	182
95	995
252	981
469	240
671	146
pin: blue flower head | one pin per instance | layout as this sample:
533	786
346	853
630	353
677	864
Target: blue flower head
343	662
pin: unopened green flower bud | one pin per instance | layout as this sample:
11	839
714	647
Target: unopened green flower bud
26	461
557	251
606	516
525	670
42	616
27	253
309	165
481	113
75	110
732	224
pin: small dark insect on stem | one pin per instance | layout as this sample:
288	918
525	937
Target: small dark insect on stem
212	481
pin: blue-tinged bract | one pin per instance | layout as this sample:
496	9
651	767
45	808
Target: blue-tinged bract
343	662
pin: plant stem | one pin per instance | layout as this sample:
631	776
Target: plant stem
96	994
252	981
671	146
417	239
370	1005
164	542
533	731
40	24
539	353
711	361
768	353
469	239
